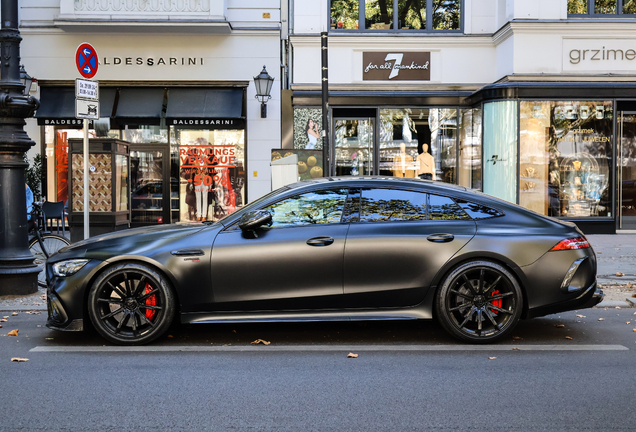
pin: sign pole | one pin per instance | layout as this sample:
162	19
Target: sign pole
86	226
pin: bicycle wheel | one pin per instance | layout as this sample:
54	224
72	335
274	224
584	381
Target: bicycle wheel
51	243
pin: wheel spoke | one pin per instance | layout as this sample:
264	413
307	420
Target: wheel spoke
151	307
467	282
127	285
480	319
144	319
461	306
467	317
494	284
148	294
498	309
121	323
467	297
133	317
480	287
500	296
116	289
139	285
112	314
492	319
110	300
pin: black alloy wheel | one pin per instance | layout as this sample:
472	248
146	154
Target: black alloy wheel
479	302
131	304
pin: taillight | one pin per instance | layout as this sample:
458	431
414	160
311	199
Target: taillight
572	244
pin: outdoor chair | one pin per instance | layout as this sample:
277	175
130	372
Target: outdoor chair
54	211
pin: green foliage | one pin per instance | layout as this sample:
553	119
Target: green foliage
446	14
33	176
344	14
629	6
577	6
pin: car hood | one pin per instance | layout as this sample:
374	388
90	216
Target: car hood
126	241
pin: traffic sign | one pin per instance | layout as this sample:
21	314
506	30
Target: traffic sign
86	60
86	109
86	89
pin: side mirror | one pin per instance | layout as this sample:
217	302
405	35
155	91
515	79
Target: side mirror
253	220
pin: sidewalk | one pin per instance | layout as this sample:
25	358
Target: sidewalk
616	254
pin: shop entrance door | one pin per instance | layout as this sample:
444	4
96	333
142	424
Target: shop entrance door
150	185
626	170
354	146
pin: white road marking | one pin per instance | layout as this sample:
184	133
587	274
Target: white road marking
326	348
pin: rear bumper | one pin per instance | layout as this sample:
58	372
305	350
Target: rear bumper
590	297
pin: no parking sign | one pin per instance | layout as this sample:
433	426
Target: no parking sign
86	60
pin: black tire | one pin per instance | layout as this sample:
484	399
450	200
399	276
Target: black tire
131	304
52	243
479	302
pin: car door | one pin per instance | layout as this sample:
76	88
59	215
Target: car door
398	243
294	264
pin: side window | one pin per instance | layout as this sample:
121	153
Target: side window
311	208
444	208
478	211
382	205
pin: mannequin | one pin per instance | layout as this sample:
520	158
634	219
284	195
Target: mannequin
403	164
426	164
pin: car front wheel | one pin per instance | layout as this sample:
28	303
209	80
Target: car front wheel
131	304
479	302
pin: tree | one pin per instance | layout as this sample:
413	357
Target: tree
33	176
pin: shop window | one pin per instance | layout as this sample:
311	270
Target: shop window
469	168
500	150
353	146
601	8
312	208
212	173
565	157
403	15
389	205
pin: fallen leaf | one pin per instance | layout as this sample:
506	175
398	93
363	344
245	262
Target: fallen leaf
492	358
635	330
19	359
261	341
15	332
516	349
580	316
3	320
516	337
599	253
352	355
0	325
618	307
14	314
33	312
170	336
560	325
601	319
233	331
620	274
6	316
568	337
227	344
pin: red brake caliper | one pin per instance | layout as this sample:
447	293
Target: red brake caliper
151	301
497	302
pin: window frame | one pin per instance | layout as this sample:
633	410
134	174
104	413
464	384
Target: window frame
429	21
591	14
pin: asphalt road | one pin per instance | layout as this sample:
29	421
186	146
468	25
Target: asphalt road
409	376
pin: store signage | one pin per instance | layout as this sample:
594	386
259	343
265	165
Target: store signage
232	123
384	66
86	60
62	122
617	55
152	61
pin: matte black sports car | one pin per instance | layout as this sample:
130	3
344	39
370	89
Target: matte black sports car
331	249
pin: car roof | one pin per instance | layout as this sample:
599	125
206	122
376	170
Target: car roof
377	181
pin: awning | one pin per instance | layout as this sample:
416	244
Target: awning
140	106
57	106
211	108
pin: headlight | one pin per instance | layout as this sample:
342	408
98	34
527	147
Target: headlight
68	267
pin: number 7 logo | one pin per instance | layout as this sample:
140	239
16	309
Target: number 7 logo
396	66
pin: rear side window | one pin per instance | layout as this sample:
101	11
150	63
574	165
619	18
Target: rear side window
478	211
383	205
444	208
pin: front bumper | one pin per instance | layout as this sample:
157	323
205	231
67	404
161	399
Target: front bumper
590	297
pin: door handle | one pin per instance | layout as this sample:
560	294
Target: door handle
187	252
320	241
440	238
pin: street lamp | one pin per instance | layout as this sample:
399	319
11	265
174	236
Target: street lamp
18	273
26	80
263	84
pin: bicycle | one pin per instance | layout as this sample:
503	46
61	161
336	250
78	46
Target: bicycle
43	244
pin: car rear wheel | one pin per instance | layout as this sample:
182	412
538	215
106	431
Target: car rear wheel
479	302
131	304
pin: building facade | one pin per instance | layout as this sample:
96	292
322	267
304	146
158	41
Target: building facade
532	101
176	96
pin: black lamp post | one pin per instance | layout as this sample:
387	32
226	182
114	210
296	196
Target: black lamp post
263	84
18	273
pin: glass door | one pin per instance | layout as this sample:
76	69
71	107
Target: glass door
149	199
353	144
627	172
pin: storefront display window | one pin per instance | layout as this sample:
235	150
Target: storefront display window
146	134
443	125
469	170
121	183
146	183
354	146
212	173
307	128
500	150
565	163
